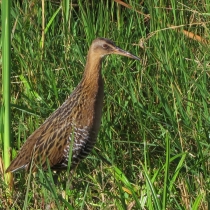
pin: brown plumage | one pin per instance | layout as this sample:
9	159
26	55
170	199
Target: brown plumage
77	119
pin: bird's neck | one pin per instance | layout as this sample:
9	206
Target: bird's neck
92	73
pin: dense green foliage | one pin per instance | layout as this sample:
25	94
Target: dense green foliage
153	146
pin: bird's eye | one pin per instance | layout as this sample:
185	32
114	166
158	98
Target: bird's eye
105	46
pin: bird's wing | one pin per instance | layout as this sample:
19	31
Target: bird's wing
49	141
55	128
50	145
24	155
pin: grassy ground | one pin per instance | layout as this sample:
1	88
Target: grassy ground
153	146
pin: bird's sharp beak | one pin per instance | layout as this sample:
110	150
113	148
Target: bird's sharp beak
125	53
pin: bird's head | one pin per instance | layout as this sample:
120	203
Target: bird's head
102	47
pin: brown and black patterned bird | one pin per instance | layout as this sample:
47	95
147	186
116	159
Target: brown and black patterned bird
77	120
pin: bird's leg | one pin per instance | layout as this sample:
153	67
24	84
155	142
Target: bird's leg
69	183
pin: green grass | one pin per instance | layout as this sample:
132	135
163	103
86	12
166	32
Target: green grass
6	72
153	147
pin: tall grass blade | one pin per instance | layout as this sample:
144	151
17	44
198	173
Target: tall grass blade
166	177
152	192
6	67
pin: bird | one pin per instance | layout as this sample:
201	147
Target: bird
74	126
